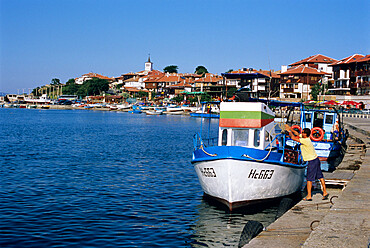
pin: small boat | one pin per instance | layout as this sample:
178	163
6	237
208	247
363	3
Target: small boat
206	110
123	106
45	107
154	112
328	135
31	106
204	115
248	162
174	109
135	112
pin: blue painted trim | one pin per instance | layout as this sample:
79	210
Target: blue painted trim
237	152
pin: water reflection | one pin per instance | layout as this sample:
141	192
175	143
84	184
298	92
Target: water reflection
216	227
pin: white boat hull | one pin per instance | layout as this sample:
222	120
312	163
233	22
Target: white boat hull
237	183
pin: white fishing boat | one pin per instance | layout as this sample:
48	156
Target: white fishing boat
42	100
154	112
249	161
123	106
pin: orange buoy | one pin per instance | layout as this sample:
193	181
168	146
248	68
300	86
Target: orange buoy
317	134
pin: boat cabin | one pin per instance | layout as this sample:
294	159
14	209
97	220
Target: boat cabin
246	124
319	118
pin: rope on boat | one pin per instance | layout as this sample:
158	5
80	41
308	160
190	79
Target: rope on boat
268	154
212	155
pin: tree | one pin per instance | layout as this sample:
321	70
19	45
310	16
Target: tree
201	70
36	91
55	81
171	69
316	90
230	70
70	81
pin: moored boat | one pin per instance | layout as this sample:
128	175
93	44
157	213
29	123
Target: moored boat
246	164
327	133
154	112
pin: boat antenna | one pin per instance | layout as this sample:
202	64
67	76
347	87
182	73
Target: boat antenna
270	81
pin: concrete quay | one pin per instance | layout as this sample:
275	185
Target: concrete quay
341	221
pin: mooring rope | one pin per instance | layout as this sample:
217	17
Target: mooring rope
212	155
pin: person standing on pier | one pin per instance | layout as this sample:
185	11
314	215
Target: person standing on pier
309	155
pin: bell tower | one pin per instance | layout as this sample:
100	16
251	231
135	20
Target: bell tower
148	65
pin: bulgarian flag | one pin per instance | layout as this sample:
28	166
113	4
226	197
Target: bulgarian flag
245	115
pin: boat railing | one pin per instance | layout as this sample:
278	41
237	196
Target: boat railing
198	141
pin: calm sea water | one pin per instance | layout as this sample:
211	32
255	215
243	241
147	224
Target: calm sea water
75	178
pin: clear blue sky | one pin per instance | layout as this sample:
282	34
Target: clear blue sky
64	39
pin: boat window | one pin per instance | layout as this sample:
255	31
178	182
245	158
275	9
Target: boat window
240	137
224	137
329	119
308	117
268	136
257	133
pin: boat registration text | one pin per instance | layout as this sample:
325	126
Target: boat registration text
263	174
208	172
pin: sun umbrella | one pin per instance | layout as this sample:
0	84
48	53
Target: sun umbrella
331	102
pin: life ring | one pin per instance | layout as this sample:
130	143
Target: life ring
295	127
317	134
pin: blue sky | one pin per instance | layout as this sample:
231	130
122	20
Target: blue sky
64	39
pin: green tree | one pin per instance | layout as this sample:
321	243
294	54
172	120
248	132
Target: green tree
142	94
201	70
36	91
95	86
55	81
231	92
230	70
178	98
70	81
316	90
171	69
71	88
206	98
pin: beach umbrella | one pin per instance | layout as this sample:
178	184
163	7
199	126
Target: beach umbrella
331	102
351	103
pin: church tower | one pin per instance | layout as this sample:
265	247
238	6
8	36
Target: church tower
148	65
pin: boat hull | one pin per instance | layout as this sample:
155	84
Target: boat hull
237	183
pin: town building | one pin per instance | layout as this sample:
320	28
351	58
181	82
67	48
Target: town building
351	75
297	81
260	83
91	75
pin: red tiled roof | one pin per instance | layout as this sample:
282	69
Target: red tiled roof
134	79
301	69
96	75
351	59
364	59
209	78
180	85
318	58
264	72
134	89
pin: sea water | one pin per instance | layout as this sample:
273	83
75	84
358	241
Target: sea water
82	178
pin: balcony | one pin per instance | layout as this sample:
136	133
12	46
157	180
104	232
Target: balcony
288	90
362	73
